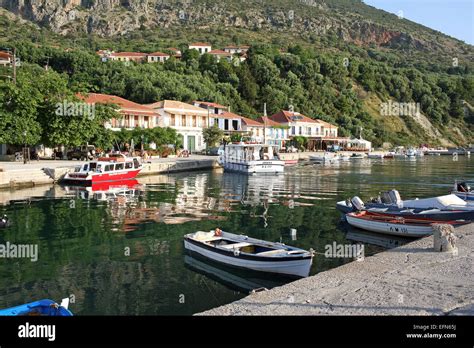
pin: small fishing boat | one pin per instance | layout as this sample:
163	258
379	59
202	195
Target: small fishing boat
250	253
375	155
398	226
356	156
355	204
327	157
40	308
105	169
411	153
250	158
4	222
463	191
390	199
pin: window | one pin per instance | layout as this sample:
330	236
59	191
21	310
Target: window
128	165
200	50
119	166
216	111
226	124
183	120
300	131
172	120
309	130
194	121
85	168
204	122
108	168
293	130
135	120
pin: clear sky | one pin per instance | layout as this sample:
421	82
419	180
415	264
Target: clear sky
452	17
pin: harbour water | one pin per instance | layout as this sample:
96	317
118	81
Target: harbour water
124	255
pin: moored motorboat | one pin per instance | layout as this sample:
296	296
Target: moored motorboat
375	155
327	157
399	226
250	158
250	253
392	199
105	169
39	308
356	204
357	156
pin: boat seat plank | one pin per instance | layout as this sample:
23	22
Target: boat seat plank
271	252
237	245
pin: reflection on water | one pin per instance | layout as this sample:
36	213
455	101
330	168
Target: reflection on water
119	249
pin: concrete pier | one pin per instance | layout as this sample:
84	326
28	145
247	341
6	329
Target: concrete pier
408	280
14	175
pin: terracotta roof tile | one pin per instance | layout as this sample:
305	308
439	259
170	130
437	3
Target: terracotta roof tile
126	106
200	44
158	54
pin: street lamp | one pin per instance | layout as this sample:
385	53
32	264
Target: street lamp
24	148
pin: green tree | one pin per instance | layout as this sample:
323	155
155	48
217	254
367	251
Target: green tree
212	135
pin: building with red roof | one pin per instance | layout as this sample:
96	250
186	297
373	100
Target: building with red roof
320	133
5	58
220	54
133	114
201	47
157	57
128	56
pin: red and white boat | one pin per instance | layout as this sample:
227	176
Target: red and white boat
105	169
396	225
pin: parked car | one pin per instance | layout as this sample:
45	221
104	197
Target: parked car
81	153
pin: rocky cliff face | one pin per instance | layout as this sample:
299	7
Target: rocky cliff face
304	17
118	17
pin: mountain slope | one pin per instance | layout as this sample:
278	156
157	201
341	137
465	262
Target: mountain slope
387	58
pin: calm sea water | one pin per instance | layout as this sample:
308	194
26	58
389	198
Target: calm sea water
125	255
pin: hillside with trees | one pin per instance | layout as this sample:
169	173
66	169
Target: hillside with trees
327	76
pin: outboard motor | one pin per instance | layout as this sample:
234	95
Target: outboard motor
357	203
395	197
385	197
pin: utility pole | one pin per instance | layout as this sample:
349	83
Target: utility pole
265	123
14	65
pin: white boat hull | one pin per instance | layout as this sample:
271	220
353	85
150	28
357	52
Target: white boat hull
255	167
298	268
389	228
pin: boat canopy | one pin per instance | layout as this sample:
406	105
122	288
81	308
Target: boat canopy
440	202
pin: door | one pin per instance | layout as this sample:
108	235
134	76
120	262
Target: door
191	143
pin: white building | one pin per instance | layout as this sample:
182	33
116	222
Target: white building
187	119
220	116
219	54
157	57
201	47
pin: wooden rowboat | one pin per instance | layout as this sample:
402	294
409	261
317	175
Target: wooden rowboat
249	253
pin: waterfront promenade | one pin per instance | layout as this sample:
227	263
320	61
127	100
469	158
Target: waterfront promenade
17	174
408	280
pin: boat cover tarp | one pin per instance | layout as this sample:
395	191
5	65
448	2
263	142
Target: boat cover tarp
441	202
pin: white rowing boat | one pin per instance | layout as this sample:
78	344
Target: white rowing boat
250	253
